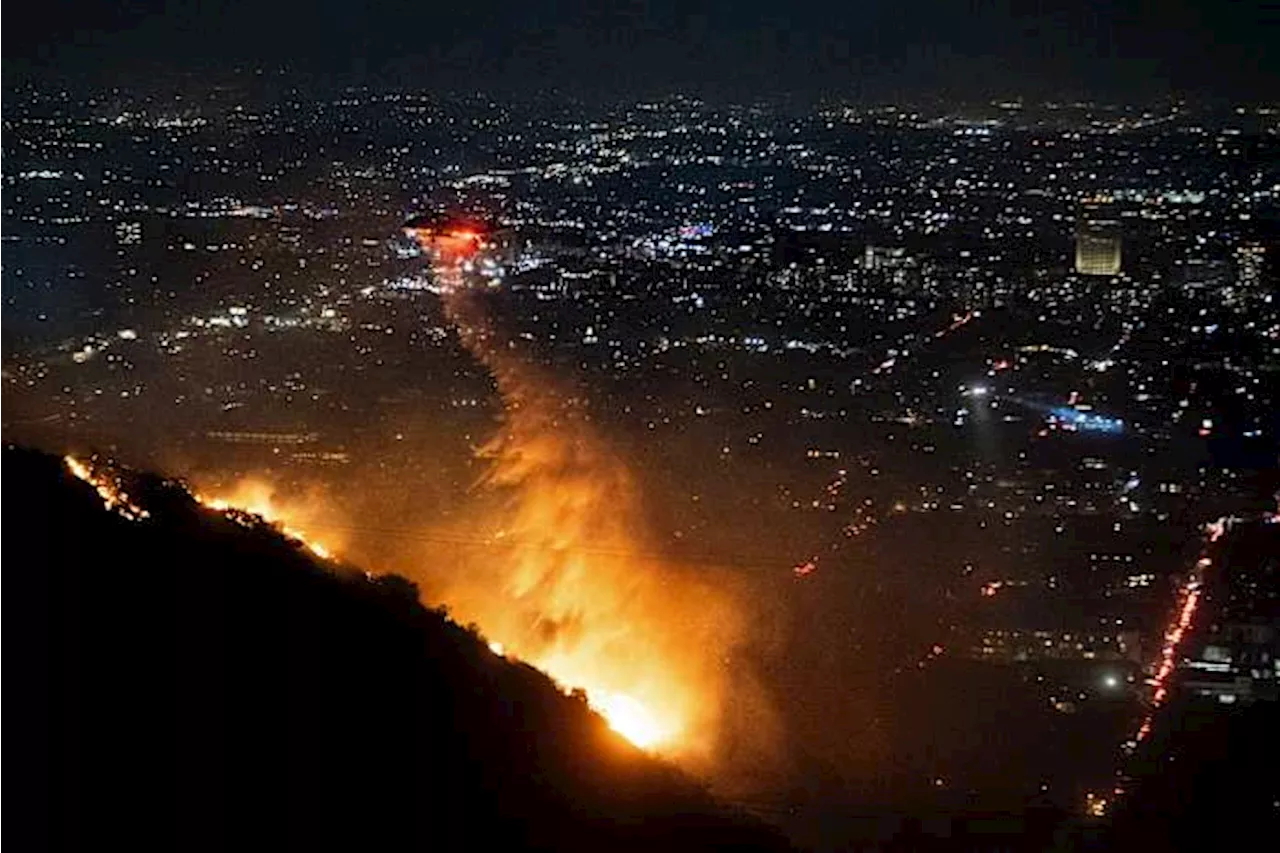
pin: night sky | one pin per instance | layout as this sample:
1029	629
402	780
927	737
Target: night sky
736	48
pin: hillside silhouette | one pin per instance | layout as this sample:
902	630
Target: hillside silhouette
189	683
1212	785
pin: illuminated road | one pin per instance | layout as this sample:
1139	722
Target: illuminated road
1181	623
863	517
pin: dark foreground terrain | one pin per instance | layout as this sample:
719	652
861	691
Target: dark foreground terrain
187	683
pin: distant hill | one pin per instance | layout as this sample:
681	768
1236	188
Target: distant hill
187	683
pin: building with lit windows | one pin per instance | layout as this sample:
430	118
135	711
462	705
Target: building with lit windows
1250	258
1097	242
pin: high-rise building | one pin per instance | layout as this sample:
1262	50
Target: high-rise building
129	233
882	257
893	264
1097	242
1249	260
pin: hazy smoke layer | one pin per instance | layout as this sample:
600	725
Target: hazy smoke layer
568	586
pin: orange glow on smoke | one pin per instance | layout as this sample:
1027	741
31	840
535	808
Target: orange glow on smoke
554	592
257	498
565	585
558	575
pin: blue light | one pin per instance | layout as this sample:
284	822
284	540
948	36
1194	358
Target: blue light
1087	422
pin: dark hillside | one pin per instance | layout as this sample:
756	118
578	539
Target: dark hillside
185	683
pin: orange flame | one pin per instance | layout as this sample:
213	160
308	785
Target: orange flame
568	590
108	488
563	583
542	600
257	498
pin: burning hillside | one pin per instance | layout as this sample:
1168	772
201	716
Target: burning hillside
195	661
566	589
565	583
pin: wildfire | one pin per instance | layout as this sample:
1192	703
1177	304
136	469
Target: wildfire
562	585
257	500
253	502
108	488
553	628
558	579
630	719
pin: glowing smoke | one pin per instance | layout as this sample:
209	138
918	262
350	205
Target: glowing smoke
565	585
554	568
298	514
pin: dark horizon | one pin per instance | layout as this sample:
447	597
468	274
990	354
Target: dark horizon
1124	50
